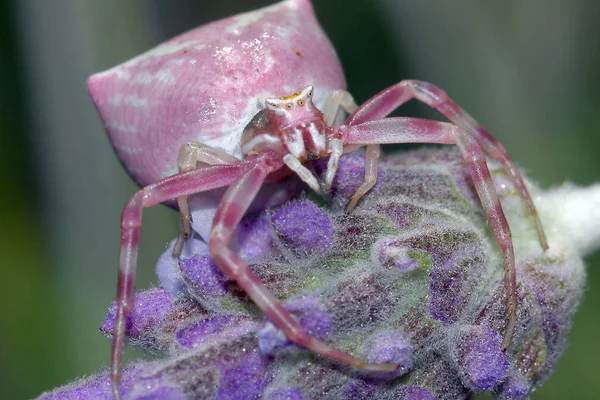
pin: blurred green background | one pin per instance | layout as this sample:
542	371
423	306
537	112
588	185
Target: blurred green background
527	70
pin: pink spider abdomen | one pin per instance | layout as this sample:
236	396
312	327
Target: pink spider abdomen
207	84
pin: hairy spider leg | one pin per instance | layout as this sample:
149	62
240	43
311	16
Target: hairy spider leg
343	99
386	101
190	155
414	130
232	207
372	154
336	100
176	186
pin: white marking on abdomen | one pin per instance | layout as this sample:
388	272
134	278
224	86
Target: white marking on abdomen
135	101
121	128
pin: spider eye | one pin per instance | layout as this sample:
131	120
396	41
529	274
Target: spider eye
310	94
289	106
300	103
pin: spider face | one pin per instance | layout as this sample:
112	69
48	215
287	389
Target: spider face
292	110
291	125
298	124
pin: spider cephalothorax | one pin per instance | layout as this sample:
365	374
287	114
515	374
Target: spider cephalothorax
290	124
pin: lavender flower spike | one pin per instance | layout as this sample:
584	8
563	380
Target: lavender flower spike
478	358
411	276
390	347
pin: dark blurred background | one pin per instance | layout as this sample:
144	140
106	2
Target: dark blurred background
527	70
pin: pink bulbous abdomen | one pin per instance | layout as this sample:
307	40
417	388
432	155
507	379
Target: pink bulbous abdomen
207	84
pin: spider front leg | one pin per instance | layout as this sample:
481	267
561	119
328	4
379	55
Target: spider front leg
231	209
386	101
190	155
336	100
412	130
176	186
344	100
372	155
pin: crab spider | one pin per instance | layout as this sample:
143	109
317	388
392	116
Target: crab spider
289	132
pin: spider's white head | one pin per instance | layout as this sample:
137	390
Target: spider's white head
292	110
292	124
298	123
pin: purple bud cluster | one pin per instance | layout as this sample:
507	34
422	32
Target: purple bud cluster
411	277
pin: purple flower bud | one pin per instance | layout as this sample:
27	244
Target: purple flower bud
242	378
286	393
515	387
413	393
303	227
98	386
312	317
213	329
202	276
255	238
149	313
271	338
349	176
167	267
390	347
476	353
396	256
361	387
